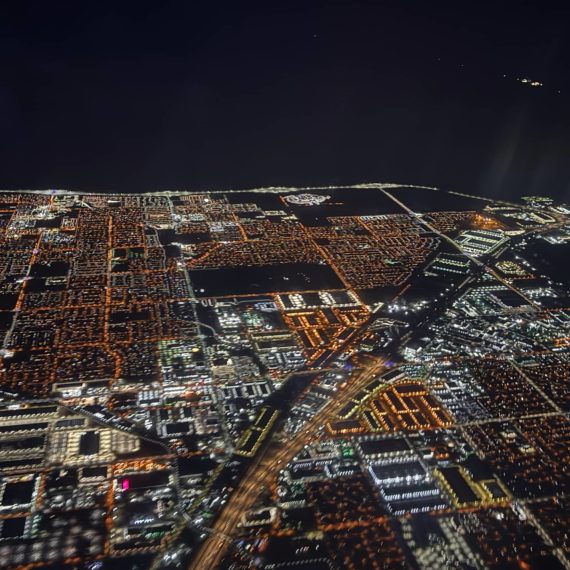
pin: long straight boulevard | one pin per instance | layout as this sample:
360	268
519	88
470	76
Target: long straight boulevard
273	456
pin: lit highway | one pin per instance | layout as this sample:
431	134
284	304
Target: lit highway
162	320
263	472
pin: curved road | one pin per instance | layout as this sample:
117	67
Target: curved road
264	471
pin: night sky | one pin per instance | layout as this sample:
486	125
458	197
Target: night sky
192	95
